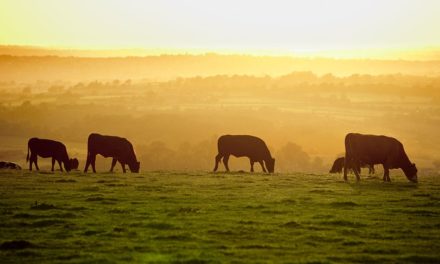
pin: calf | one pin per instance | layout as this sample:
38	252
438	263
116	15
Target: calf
338	166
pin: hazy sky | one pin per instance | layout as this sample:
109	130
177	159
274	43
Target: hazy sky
221	25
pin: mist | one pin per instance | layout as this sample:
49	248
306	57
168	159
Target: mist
174	123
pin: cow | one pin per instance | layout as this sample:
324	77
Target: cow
47	148
120	149
372	149
338	166
74	164
244	146
9	165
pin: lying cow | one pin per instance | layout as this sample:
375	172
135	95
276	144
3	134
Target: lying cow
371	149
120	149
244	146
338	166
9	165
47	148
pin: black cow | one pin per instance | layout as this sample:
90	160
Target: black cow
9	165
47	148
338	166
120	149
244	146
74	163
371	149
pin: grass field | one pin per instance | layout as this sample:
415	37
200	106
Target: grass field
198	217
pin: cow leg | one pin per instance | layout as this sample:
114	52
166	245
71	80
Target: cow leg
386	173
252	165
30	162
372	170
225	161
53	163
61	167
356	172
35	162
262	165
346	162
87	163
92	162
356	169
123	167
113	164
218	158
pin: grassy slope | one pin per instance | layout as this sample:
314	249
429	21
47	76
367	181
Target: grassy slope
197	217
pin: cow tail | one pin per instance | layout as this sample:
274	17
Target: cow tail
27	157
348	150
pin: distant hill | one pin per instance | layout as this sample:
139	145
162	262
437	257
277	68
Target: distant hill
42	51
28	64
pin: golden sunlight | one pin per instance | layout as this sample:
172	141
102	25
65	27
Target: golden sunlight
219	131
256	27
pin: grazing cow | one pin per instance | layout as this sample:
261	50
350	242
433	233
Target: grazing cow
244	146
47	148
74	164
9	165
120	149
371	149
338	166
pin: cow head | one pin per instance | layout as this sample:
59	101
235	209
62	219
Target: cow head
336	168
338	165
134	167
270	165
74	164
67	165
411	172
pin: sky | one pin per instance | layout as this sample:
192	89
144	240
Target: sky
228	25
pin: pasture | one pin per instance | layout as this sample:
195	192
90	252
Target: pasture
201	217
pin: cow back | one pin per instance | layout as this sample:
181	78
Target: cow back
372	149
48	148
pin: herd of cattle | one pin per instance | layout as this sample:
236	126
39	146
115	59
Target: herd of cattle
360	151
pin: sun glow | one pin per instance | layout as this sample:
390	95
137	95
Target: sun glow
257	27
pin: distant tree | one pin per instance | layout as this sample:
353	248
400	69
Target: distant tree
436	164
27	90
291	157
56	89
156	156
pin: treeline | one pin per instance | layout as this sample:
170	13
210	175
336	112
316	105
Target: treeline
292	84
309	82
167	67
312	112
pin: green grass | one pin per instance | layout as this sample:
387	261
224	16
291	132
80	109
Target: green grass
199	217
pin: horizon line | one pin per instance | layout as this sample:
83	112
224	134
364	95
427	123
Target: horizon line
425	53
